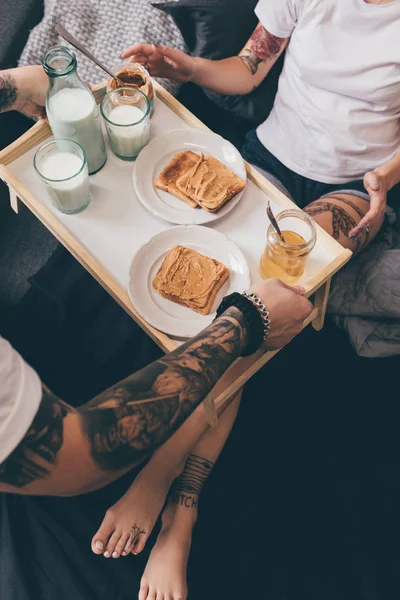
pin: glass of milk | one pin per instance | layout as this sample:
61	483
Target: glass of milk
126	112
62	166
71	107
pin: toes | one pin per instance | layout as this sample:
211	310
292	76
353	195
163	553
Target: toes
151	594
160	596
119	548
102	536
139	544
113	541
135	546
144	590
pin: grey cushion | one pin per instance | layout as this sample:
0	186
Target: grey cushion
17	17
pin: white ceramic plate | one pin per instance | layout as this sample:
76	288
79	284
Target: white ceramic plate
169	317
157	154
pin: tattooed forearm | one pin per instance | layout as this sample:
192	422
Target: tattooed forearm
188	486
262	46
134	417
37	453
130	420
8	92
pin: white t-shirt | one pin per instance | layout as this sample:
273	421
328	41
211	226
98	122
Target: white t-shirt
337	110
20	396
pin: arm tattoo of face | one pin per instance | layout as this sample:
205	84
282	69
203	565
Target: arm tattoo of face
188	486
37	453
8	92
128	421
262	46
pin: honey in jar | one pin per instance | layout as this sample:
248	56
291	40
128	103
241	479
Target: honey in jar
286	260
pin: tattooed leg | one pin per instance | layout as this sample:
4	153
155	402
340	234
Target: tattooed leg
166	568
338	214
141	505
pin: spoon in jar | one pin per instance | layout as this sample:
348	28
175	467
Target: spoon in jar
62	32
274	222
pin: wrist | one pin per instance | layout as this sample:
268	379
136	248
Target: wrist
197	70
254	318
236	316
390	174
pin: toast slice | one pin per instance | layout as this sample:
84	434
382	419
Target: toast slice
210	183
180	164
190	279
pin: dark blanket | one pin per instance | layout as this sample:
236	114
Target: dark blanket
303	502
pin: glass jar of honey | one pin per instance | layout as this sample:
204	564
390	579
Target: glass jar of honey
133	75
286	260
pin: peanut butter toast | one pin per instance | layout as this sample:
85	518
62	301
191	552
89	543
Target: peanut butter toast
190	279
210	183
180	164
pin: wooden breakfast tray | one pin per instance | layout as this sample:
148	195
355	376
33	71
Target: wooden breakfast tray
105	237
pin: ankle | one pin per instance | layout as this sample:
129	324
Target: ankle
180	514
169	473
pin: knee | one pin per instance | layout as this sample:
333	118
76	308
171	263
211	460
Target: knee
338	215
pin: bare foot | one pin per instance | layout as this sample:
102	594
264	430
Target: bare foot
128	524
165	575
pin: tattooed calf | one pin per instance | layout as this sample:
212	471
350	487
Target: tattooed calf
191	482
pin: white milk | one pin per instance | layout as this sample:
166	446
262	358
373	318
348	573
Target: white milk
73	115
127	142
72	195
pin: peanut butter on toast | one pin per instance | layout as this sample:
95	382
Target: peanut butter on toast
180	164
190	278
210	183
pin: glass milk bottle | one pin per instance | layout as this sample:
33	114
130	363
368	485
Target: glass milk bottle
71	108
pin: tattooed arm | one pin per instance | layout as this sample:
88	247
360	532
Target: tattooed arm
231	76
23	89
69	451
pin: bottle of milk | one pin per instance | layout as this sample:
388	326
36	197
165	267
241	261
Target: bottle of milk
71	108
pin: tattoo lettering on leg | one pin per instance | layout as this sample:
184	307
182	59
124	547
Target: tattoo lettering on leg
190	483
263	46
8	92
37	453
132	418
183	500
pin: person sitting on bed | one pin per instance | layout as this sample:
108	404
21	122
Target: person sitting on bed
331	143
332	140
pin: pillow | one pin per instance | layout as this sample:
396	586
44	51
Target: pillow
218	29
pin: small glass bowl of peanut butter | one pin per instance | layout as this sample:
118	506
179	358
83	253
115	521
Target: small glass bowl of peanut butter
133	75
